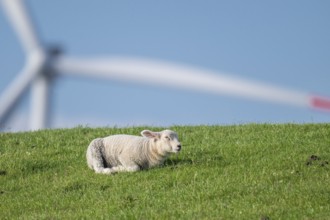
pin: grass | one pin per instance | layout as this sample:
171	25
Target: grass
255	171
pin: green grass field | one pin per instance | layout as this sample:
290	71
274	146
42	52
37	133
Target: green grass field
255	171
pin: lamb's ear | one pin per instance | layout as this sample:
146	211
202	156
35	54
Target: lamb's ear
150	134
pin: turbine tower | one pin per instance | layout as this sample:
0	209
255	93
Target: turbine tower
42	64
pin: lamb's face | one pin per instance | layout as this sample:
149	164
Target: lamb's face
167	140
170	141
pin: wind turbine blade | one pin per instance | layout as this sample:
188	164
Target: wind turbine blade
166	74
16	89
22	23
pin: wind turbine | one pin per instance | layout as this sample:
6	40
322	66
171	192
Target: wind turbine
42	64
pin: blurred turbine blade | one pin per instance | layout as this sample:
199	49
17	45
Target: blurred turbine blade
165	74
16	89
22	23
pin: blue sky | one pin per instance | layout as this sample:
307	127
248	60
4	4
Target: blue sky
284	43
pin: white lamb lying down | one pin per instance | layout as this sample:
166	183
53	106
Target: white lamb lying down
120	153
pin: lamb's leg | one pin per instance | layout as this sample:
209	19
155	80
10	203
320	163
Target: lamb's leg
98	165
95	159
125	169
104	171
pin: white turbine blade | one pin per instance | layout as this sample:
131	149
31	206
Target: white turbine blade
166	74
16	89
22	23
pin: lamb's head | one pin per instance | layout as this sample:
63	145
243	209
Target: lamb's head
167	140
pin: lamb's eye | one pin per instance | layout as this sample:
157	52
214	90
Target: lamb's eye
168	138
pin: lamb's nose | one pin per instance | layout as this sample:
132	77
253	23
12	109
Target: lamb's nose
179	147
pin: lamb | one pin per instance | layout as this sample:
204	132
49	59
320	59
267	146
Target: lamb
128	153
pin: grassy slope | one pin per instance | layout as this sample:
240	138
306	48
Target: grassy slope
228	172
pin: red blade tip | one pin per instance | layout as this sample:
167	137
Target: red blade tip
322	103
